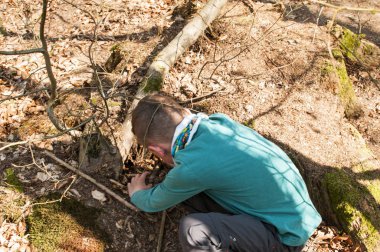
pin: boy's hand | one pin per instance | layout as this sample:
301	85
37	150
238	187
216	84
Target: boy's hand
138	183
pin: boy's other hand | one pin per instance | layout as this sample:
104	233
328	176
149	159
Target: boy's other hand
138	183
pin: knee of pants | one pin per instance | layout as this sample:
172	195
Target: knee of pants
195	231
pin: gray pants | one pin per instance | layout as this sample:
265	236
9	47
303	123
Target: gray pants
211	228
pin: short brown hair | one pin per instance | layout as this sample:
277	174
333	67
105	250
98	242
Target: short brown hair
155	118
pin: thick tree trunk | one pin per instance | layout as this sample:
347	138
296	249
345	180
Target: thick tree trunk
164	61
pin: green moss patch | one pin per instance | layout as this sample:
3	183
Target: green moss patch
352	108
115	58
353	49
3	31
354	207
65	226
250	123
356	49
12	180
350	43
153	83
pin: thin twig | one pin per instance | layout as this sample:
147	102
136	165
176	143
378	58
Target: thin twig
57	200
85	176
12	144
315	28
199	98
98	82
53	82
339	8
161	232
37	165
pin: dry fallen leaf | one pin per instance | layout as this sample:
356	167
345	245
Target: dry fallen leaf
42	176
98	195
75	192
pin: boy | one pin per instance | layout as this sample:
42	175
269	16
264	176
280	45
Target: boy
245	192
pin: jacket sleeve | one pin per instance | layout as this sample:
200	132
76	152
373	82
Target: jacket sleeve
178	185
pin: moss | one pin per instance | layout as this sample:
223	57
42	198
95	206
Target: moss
113	103
345	87
352	204
350	43
116	47
374	189
368	49
94	100
347	93
250	123
94	146
65	226
327	69
114	59
3	30
337	53
12	180
153	83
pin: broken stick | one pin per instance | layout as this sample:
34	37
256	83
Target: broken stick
83	175
161	233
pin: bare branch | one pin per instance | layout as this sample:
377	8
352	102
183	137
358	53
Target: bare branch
12	144
53	81
93	63
21	52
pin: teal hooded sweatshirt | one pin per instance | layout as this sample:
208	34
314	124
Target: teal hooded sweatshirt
243	172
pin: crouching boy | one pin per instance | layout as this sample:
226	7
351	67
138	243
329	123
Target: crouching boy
244	192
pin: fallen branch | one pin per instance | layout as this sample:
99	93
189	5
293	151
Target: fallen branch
349	8
161	232
164	61
199	98
20	52
189	34
85	176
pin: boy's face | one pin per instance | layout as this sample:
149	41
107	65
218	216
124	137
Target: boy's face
163	153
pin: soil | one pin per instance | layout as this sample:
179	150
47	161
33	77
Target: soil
262	59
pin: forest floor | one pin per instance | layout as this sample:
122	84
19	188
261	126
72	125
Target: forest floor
262	62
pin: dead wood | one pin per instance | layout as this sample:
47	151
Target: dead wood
164	61
161	232
92	180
